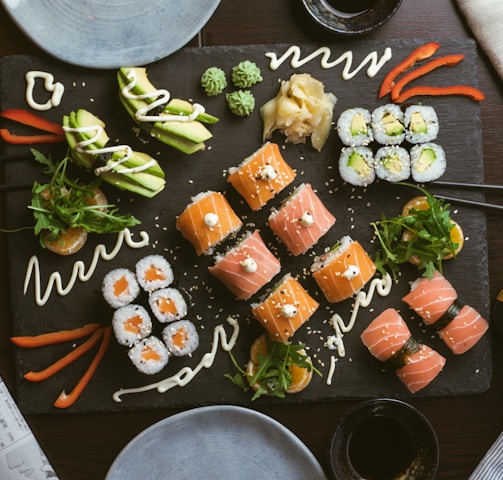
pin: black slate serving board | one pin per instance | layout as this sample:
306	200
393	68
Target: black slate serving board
358	374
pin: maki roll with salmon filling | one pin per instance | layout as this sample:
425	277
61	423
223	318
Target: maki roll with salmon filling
388	124
421	123
343	271
388	339
302	220
354	127
120	287
154	272
246	267
356	166
285	309
131	323
168	304
392	164
427	162
149	355
208	221
181	338
261	176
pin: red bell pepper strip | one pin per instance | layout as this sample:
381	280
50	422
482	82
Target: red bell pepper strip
420	53
447	61
52	338
464	90
30	139
27	118
67	400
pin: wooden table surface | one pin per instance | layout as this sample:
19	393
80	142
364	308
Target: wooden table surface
83	446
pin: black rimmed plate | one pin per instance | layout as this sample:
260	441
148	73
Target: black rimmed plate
351	17
216	442
110	33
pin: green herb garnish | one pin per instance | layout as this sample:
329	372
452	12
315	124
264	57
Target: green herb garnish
64	203
273	372
427	237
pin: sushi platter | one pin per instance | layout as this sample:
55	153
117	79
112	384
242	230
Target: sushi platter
210	303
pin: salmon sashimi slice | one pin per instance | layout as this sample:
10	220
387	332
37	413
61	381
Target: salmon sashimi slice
464	330
302	220
343	271
208	221
421	368
430	298
261	176
247	267
386	334
285	309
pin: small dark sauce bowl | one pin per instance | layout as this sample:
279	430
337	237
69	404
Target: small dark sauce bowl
383	439
329	14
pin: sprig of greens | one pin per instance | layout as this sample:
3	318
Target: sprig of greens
427	237
64	203
273	373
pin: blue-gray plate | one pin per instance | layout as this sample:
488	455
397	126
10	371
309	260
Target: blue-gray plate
216	442
110	33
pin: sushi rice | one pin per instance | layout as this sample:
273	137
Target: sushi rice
388	124
149	355
428	162
168	304
154	272
421	123
181	338
356	166
392	163
120	287
354	127
131	323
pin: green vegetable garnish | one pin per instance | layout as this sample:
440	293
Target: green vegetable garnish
427	237
273	373
64	203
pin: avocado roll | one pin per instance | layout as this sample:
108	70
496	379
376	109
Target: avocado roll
392	163
421	123
388	124
356	166
428	162
354	127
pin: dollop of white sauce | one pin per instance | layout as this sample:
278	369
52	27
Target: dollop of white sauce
351	272
288	310
79	269
211	219
296	61
55	88
161	97
249	265
307	219
334	342
186	374
268	173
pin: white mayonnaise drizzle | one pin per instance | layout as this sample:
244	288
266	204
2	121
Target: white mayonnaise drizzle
162	97
249	265
186	374
294	51
97	131
56	89
79	268
331	370
380	285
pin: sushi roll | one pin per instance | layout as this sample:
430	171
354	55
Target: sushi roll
246	267
168	304
427	162
356	166
392	163
421	123
130	324
302	220
343	271
261	176
285	309
436	302
388	339
181	338
388	124
208	221
354	127
149	355
154	272
120	287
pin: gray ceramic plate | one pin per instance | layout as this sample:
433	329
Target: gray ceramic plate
216	442
110	33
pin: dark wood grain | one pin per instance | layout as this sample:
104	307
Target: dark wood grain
83	446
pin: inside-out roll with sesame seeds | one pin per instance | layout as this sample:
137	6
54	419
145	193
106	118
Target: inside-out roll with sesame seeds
149	355
168	304
181	338
354	127
392	163
131	323
427	162
120	287
154	272
421	123
356	166
388	124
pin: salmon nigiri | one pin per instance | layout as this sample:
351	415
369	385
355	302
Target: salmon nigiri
343	271
285	309
261	176
208	221
246	267
302	220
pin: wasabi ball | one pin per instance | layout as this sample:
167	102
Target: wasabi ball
245	74
241	102
213	81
